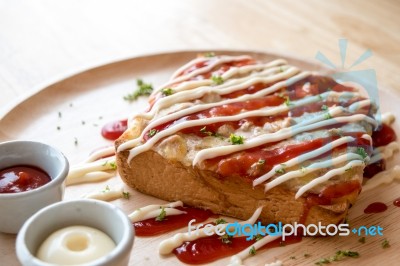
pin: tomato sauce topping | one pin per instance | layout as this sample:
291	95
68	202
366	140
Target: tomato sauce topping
209	249
114	129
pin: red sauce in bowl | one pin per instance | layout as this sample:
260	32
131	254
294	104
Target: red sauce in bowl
22	178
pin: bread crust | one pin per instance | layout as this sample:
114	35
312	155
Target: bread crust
152	174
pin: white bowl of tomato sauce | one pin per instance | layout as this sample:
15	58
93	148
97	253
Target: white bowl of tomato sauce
32	176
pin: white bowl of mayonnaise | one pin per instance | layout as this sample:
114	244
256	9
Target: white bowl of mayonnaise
80	232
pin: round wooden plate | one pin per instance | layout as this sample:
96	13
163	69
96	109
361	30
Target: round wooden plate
69	115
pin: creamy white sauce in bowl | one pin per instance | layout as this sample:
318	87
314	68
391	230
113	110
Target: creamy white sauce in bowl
100	215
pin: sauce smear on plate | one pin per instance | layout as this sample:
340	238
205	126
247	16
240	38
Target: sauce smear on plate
375	207
151	227
114	129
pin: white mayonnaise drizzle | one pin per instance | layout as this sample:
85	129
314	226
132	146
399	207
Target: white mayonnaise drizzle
168	245
385	177
152	211
108	194
385	152
100	154
388	118
100	165
95	176
237	259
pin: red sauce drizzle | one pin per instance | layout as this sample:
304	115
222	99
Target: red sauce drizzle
383	136
209	249
22	178
114	129
396	202
375	207
151	227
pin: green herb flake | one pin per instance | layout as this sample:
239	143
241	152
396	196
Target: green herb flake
162	215
327	116
226	239
126	194
59	114
292	257
58	128
218	80
220	221
287	102
339	255
209	54
113	165
236	140
385	244
281	170
76	141
83	122
258	237
362	240
106	189
261	162
167	91
324	107
141	90
306	255
252	251
152	132
361	151
320	97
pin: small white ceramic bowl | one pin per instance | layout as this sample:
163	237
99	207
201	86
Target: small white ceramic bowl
16	208
93	213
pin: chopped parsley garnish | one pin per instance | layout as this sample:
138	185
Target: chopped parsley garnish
361	151
113	165
106	189
59	115
281	170
324	107
76	141
218	80
261	162
83	122
303	169
126	195
287	102
306	255
385	244
142	89
362	240
152	132
236	140
320	97
327	116
281	69
162	215
209	133
292	257
220	221
58	128
258	237
167	91
209	54
252	251
340	255
226	239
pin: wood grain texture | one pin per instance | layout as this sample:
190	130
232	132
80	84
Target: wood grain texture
95	97
43	40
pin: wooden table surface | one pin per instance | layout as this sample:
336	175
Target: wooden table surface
41	41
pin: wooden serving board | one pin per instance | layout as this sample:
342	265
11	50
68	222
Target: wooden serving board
69	115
